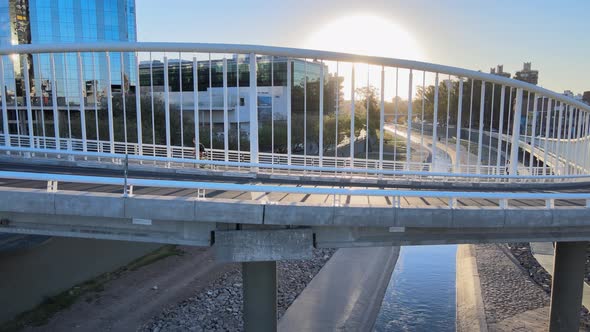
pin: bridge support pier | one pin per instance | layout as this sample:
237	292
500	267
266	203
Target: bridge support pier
567	286
260	296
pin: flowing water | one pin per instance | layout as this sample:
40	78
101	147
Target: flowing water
421	292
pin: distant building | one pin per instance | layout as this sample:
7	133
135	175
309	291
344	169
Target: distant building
499	70
527	74
51	22
586	97
271	94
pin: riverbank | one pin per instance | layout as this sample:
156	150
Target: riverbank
37	274
508	294
175	293
218	306
514	289
523	253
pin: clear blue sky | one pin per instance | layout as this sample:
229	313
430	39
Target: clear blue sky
553	35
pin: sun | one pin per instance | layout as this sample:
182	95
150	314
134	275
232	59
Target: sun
367	35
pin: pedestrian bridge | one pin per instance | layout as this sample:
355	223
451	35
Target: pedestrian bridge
265	152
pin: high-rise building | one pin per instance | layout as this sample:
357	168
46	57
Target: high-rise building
527	74
69	21
499	70
63	21
50	21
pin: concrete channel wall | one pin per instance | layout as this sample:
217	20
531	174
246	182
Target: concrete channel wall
470	309
31	275
346	294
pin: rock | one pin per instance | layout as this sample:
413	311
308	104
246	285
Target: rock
218	307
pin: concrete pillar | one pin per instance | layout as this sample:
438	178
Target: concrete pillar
260	296
566	290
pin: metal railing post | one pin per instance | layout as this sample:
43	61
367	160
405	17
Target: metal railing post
82	102
459	125
434	122
409	122
480	134
167	108
516	133
225	113
137	107
253	110
110	104
28	101
125	173
352	135
4	101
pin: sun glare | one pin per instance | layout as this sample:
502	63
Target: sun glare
368	35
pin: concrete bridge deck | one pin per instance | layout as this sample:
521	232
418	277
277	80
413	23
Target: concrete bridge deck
178	212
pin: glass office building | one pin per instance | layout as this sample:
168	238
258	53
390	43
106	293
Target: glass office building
65	21
272	98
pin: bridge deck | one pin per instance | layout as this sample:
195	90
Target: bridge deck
283	197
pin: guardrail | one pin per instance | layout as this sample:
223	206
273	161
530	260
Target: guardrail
329	173
502	198
271	109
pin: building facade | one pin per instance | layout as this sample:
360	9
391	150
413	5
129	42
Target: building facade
527	74
56	79
499	70
272	96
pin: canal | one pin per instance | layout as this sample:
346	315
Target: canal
421	292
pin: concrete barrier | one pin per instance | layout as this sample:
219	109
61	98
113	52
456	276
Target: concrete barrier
346	294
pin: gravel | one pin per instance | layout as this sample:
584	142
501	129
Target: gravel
522	252
506	288
218	307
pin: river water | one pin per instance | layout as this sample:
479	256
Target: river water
421	292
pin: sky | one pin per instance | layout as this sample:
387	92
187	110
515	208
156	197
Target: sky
478	35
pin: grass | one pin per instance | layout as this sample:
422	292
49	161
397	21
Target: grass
41	314
393	143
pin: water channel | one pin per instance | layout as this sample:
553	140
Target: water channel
421	292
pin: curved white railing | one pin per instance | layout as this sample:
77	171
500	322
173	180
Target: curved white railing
287	111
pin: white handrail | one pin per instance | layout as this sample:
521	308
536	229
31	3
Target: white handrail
566	161
285	52
287	167
287	189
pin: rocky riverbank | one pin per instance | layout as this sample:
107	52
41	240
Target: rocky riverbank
507	291
218	307
522	252
515	289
